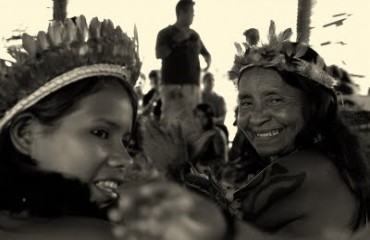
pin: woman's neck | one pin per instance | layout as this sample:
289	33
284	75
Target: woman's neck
273	158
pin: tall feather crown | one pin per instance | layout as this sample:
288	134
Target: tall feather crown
281	54
68	52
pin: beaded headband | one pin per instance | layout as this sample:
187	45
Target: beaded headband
70	51
281	54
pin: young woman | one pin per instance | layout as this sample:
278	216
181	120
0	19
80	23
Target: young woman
67	113
63	151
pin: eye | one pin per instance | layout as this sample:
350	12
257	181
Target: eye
276	100
246	103
101	133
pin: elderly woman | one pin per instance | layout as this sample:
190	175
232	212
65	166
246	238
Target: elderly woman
313	180
306	178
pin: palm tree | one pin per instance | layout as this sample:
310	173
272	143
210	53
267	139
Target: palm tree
60	10
303	20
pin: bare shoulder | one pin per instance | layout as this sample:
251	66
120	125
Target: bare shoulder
315	164
330	199
321	172
302	193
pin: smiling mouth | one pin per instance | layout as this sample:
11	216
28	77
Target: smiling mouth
109	187
268	134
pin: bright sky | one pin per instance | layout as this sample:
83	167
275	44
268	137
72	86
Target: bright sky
220	23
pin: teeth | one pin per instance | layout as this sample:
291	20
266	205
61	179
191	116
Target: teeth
107	185
268	134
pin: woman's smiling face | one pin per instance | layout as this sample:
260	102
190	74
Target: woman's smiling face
90	142
270	111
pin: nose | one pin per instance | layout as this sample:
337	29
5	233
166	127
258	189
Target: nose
120	159
257	116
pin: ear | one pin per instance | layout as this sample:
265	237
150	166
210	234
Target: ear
22	132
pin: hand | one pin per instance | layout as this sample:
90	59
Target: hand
166	211
164	146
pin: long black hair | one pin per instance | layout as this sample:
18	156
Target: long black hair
325	130
25	187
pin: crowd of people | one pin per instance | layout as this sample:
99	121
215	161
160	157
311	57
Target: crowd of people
83	156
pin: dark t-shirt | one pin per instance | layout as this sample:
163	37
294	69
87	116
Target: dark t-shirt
182	65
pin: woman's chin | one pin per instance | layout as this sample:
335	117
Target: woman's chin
273	153
100	198
268	153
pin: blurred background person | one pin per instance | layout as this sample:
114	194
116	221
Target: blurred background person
210	150
152	103
138	89
210	97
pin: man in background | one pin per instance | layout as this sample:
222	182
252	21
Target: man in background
179	47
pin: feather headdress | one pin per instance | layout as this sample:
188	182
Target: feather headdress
281	54
68	52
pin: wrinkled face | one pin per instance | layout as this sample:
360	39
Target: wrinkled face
89	143
270	111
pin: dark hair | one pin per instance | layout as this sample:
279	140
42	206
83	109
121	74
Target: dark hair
322	121
183	5
208	112
345	84
206	76
24	186
154	75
